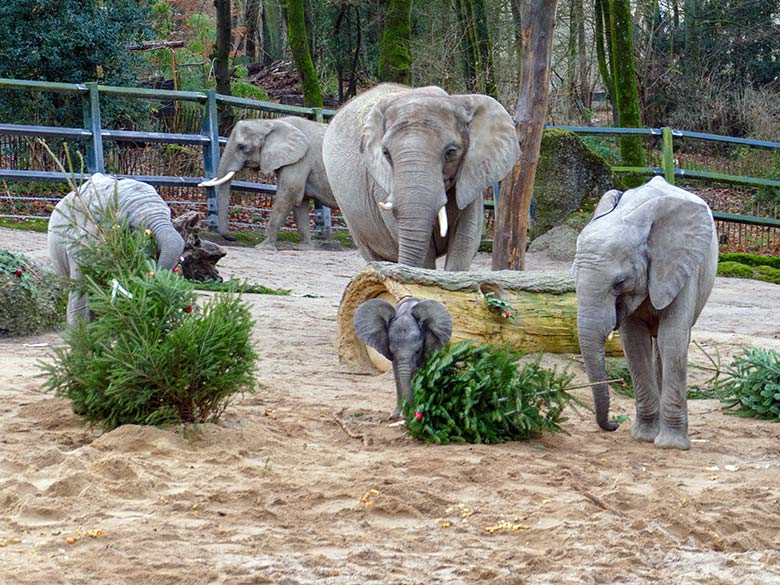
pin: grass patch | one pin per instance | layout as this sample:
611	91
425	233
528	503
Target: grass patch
31	225
236	286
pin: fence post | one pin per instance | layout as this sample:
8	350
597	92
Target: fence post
667	162
322	218
210	128
95	159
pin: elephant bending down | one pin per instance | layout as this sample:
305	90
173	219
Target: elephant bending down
292	148
398	158
76	214
403	334
645	264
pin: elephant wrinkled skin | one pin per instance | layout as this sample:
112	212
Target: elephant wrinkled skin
291	147
397	158
645	264
75	215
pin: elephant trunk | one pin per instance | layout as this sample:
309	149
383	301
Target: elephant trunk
404	374
169	243
419	195
593	337
228	163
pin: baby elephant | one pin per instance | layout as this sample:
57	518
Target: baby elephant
403	334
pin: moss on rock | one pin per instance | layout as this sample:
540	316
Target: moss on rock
568	177
32	299
734	270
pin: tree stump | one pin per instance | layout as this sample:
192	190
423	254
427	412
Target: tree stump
200	256
543	306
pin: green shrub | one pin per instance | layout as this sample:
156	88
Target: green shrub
753	383
150	355
477	394
32	299
735	270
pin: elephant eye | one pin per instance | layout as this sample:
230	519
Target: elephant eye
619	284
451	153
386	154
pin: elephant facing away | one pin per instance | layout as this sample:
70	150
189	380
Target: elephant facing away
403	334
291	147
399	158
75	217
645	264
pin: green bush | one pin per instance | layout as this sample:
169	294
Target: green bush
32	299
477	394
753	383
735	270
150	355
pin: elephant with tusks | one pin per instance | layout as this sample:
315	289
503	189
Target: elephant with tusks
77	215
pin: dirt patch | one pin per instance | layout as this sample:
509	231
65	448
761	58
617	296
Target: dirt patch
281	490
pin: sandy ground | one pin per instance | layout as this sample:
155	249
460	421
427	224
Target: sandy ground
275	492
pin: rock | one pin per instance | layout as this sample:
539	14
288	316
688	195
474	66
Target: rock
560	243
568	173
200	256
32	299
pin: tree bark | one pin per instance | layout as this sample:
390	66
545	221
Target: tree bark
514	204
485	49
296	32
254	39
224	34
395	55
543	306
626	88
604	52
273	28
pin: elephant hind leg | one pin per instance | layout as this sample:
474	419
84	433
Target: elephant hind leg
301	213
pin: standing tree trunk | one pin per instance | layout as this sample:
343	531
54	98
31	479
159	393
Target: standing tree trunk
273	28
485	48
476	47
626	88
395	55
222	60
604	52
299	46
253	31
517	190
470	57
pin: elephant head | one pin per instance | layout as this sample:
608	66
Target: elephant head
264	145
403	334
636	254
423	147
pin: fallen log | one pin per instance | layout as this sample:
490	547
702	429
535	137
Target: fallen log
543	308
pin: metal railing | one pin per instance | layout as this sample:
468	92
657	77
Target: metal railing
94	134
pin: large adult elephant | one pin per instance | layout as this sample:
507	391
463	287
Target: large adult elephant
292	148
76	216
397	158
645	264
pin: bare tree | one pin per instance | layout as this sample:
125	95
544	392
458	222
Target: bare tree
538	20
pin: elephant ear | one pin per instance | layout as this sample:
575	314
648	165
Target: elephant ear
680	234
284	145
608	202
435	321
493	147
371	146
371	321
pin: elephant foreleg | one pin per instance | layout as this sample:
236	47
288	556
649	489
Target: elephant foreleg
673	349
465	234
287	197
78	308
637	346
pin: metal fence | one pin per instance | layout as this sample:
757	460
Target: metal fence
175	162
106	150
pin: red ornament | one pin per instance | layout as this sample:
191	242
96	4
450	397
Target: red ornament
507	314
188	309
18	272
418	415
176	269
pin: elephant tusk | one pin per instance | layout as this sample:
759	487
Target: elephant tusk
216	182
386	206
443	222
610	336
